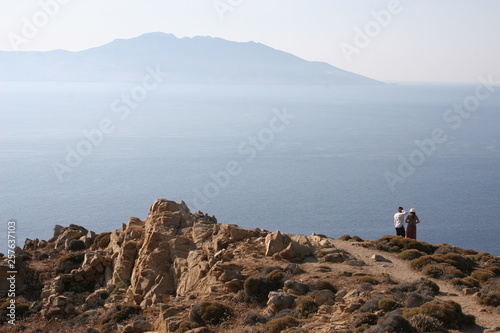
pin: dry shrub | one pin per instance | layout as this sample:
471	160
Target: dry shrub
482	274
425	323
392	322
254	287
388	304
306	306
357	239
186	326
419	263
366	319
252	318
442	270
494	269
20	309
211	313
467	282
414	300
467	252
411	254
102	240
275	279
281	324
121	313
492	298
423	286
407	244
345	238
448	313
483	257
464	264
322	285
73	234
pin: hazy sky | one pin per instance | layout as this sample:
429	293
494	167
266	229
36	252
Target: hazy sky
391	40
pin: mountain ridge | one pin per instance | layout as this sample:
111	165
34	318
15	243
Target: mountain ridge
199	59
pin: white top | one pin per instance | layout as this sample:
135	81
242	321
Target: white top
399	219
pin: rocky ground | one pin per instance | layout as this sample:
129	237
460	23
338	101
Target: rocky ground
179	271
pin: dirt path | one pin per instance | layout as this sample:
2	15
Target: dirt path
400	270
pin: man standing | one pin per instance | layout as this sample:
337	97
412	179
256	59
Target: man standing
399	222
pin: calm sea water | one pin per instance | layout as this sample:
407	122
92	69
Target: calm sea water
297	159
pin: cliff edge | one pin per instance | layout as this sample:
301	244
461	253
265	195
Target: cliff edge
178	271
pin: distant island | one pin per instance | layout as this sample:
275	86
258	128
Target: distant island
179	271
197	60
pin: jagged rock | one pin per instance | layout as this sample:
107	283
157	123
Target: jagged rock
278	301
96	299
320	241
276	242
295	287
139	326
234	285
59	307
229	274
296	250
58	229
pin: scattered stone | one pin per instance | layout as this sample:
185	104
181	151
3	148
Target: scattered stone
296	288
278	301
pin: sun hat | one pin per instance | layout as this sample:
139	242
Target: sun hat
412	210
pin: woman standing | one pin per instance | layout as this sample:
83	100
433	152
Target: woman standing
412	220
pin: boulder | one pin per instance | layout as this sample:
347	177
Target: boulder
296	250
295	287
276	242
278	301
324	297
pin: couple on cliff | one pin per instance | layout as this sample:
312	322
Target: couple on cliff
412	220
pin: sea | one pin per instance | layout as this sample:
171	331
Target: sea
330	160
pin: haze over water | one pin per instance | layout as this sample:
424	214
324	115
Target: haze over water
299	159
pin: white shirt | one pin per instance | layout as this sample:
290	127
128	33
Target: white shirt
399	219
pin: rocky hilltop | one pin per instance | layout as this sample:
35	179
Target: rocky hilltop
179	271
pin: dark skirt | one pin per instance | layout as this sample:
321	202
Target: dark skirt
411	231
